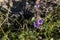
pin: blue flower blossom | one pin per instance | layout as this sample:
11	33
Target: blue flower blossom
38	23
38	5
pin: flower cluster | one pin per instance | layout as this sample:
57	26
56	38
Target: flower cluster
38	23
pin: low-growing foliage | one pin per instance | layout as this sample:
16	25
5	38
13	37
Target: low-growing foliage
17	22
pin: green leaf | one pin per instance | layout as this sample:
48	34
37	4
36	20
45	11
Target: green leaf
33	18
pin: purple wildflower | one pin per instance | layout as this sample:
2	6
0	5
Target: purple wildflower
36	25
38	5
40	21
